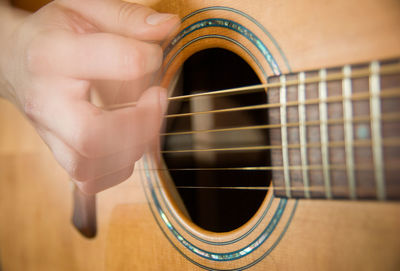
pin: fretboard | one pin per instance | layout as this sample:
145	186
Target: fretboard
339	129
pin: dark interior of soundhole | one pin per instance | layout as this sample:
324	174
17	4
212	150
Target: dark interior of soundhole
208	194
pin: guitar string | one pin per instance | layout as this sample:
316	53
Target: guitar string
390	93
225	187
355	120
359	167
337	76
393	116
314	188
385	70
390	166
386	142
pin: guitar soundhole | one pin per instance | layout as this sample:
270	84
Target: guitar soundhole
216	196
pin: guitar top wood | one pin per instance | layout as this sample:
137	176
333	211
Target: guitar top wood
143	223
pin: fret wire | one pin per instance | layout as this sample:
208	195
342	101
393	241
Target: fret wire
302	132
285	153
375	112
348	130
389	142
390	93
323	116
356	119
385	70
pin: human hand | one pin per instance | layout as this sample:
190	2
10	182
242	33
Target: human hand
57	55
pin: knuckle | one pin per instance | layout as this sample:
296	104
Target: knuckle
126	10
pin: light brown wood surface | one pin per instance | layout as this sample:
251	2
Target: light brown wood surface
36	195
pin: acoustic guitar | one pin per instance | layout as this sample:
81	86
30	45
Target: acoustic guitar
280	151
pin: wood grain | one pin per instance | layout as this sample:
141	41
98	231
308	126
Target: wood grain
36	198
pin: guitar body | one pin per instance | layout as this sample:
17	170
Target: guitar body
142	224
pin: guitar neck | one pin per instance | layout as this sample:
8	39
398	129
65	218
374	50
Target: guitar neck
339	129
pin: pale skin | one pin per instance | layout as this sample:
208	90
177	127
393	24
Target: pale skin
51	61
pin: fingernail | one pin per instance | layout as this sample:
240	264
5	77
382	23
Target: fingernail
157	18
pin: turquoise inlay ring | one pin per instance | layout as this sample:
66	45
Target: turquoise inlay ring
220	22
183	239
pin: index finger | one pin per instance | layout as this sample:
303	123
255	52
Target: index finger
129	19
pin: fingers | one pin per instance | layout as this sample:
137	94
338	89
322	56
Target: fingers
101	134
120	92
132	20
109	152
93	56
95	133
62	54
85	169
94	40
